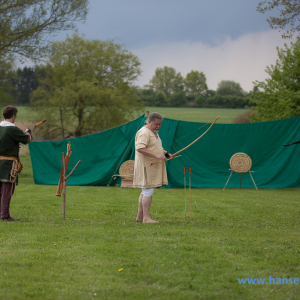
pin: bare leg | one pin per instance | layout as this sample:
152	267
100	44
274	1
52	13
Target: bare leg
146	210
139	217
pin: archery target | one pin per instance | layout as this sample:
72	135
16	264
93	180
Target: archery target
240	163
127	168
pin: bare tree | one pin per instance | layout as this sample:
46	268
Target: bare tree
289	15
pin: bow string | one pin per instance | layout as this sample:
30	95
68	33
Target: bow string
197	139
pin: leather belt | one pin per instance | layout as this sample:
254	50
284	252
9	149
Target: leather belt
8	158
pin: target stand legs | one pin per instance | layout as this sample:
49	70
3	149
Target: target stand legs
253	180
228	180
240	180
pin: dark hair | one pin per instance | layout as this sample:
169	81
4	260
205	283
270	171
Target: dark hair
154	116
9	111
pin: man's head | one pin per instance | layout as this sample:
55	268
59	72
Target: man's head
9	112
154	122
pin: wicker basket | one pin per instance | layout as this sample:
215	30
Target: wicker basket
126	172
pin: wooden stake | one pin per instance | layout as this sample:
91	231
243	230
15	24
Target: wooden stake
190	171
65	185
184	189
62	174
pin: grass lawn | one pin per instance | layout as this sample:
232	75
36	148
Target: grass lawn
227	115
100	252
24	113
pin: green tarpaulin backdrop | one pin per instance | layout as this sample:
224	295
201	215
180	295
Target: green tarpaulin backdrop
102	154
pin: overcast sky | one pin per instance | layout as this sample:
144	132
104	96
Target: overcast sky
224	39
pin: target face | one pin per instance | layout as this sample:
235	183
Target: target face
240	163
127	168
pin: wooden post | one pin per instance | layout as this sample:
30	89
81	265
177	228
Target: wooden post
63	173
240	180
64	188
184	191
190	171
65	185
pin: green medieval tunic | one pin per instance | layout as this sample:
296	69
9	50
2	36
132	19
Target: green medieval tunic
10	137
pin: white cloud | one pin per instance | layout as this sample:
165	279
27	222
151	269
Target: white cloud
243	60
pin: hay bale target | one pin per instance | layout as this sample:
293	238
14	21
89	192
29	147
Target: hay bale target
240	163
126	172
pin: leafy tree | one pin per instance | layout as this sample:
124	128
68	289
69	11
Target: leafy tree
25	81
209	93
279	96
177	99
228	101
24	24
289	15
229	87
195	84
87	87
7	91
160	100
166	80
199	101
152	98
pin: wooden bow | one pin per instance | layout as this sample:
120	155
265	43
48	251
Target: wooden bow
291	144
197	139
37	124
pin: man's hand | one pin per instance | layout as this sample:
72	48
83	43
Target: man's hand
28	131
161	157
168	155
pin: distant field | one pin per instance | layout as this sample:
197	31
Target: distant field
227	115
24	113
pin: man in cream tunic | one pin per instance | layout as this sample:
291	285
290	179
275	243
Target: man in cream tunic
149	167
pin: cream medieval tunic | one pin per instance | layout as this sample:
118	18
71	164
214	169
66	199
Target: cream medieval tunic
145	175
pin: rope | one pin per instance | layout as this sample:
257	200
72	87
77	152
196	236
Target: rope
189	134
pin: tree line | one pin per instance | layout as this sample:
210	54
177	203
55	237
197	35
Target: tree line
84	86
191	91
167	88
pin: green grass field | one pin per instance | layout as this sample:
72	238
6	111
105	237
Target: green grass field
24	113
227	115
100	252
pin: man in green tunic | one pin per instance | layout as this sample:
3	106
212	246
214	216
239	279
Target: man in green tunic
10	137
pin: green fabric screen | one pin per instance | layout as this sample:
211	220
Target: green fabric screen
102	154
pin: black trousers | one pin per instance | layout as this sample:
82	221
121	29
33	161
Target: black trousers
5	197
